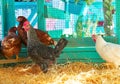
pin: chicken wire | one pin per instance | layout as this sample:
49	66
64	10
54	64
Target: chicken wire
61	26
66	27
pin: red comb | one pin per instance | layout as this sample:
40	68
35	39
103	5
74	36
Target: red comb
26	23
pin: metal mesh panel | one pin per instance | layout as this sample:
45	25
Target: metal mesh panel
90	17
27	9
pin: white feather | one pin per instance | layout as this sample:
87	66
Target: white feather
108	51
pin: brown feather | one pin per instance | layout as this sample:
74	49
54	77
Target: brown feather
43	36
11	44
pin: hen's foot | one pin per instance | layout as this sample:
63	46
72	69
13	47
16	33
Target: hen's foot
44	67
17	57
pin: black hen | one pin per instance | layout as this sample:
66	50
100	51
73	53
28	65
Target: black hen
39	52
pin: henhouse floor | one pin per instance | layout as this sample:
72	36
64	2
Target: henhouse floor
70	73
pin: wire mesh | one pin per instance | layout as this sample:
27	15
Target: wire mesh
80	19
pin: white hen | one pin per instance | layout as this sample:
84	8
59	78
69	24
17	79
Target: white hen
108	51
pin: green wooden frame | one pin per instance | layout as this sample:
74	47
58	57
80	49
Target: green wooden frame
8	15
41	13
118	19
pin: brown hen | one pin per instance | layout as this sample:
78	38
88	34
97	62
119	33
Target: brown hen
11	44
43	36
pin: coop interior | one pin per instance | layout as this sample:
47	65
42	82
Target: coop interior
76	21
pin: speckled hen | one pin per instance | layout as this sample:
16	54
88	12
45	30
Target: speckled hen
39	52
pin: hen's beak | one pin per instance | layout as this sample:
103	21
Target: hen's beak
19	19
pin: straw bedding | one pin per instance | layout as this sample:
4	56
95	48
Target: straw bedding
70	73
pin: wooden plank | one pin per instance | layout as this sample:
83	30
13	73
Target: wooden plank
83	54
61	61
75	54
8	15
85	42
4	61
118	20
86	54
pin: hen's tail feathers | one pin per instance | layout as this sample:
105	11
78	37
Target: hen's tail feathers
60	46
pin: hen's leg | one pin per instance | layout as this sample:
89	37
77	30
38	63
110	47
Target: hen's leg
17	57
44	67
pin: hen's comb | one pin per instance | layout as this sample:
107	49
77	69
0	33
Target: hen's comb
26	23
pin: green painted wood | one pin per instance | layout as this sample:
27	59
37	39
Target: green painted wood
40	13
8	15
4	27
55	33
54	13
118	20
87	41
72	54
82	54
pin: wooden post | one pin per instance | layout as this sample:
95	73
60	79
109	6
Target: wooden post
40	12
3	17
8	15
118	20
